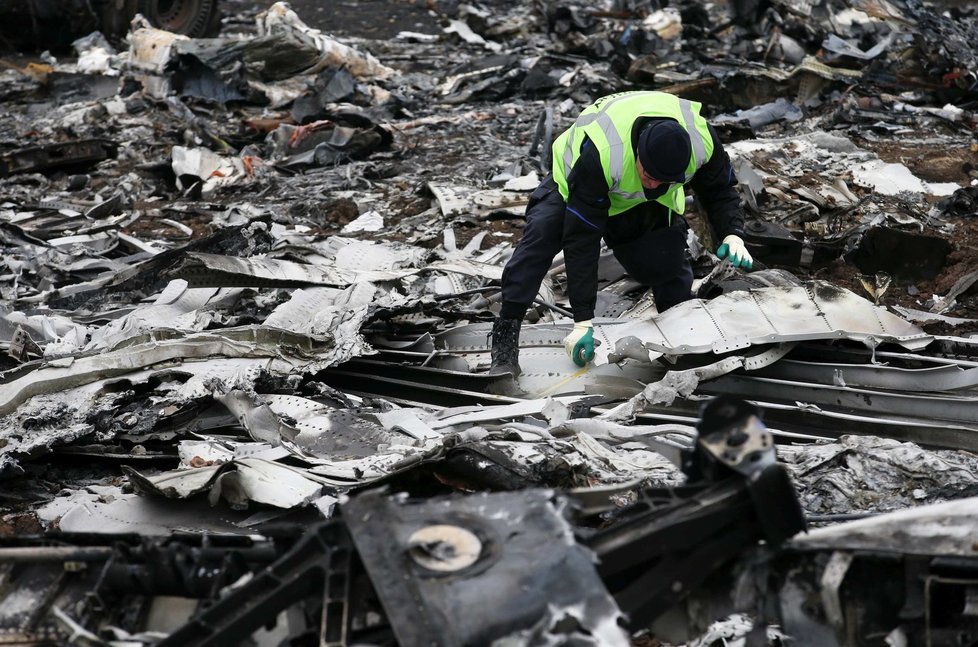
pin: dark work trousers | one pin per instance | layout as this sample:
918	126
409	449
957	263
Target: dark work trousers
651	250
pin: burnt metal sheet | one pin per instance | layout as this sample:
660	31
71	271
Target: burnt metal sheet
359	255
109	510
410	422
814	423
471	415
363	381
342	434
547	372
177	484
772	315
175	308
961	409
475	337
59	374
433	562
869	474
943	377
669	440
317	432
207	270
330	312
68	415
730	322
268	482
300	49
238	482
673	385
803	420
921	316
261	422
945	529
622	378
50	157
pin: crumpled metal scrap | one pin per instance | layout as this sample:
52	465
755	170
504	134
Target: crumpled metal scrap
867	474
260	275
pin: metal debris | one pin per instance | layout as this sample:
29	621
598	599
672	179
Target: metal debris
246	291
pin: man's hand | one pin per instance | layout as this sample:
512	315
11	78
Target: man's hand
733	247
580	343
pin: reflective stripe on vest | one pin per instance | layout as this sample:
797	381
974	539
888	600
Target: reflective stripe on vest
611	134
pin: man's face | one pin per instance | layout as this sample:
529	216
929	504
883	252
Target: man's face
647	180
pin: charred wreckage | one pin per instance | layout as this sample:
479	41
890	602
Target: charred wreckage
249	273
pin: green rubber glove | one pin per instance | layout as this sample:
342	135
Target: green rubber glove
579	344
733	246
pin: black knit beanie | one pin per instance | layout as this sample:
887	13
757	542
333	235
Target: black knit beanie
664	148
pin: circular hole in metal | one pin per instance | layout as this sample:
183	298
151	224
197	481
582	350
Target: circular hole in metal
444	548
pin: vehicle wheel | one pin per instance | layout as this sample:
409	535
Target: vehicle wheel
194	18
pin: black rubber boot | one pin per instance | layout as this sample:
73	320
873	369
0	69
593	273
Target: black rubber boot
505	348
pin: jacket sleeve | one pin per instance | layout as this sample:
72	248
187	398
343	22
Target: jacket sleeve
584	226
715	186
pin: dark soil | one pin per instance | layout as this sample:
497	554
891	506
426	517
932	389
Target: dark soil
930	162
374	19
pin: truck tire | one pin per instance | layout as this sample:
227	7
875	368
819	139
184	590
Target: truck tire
194	18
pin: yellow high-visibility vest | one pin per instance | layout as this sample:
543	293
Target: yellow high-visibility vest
608	124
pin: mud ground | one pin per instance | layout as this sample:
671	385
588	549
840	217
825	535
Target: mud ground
371	19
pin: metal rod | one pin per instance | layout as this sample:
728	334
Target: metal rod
847	516
55	554
497	297
557	309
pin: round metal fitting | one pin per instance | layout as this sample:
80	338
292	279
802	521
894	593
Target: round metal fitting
444	548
